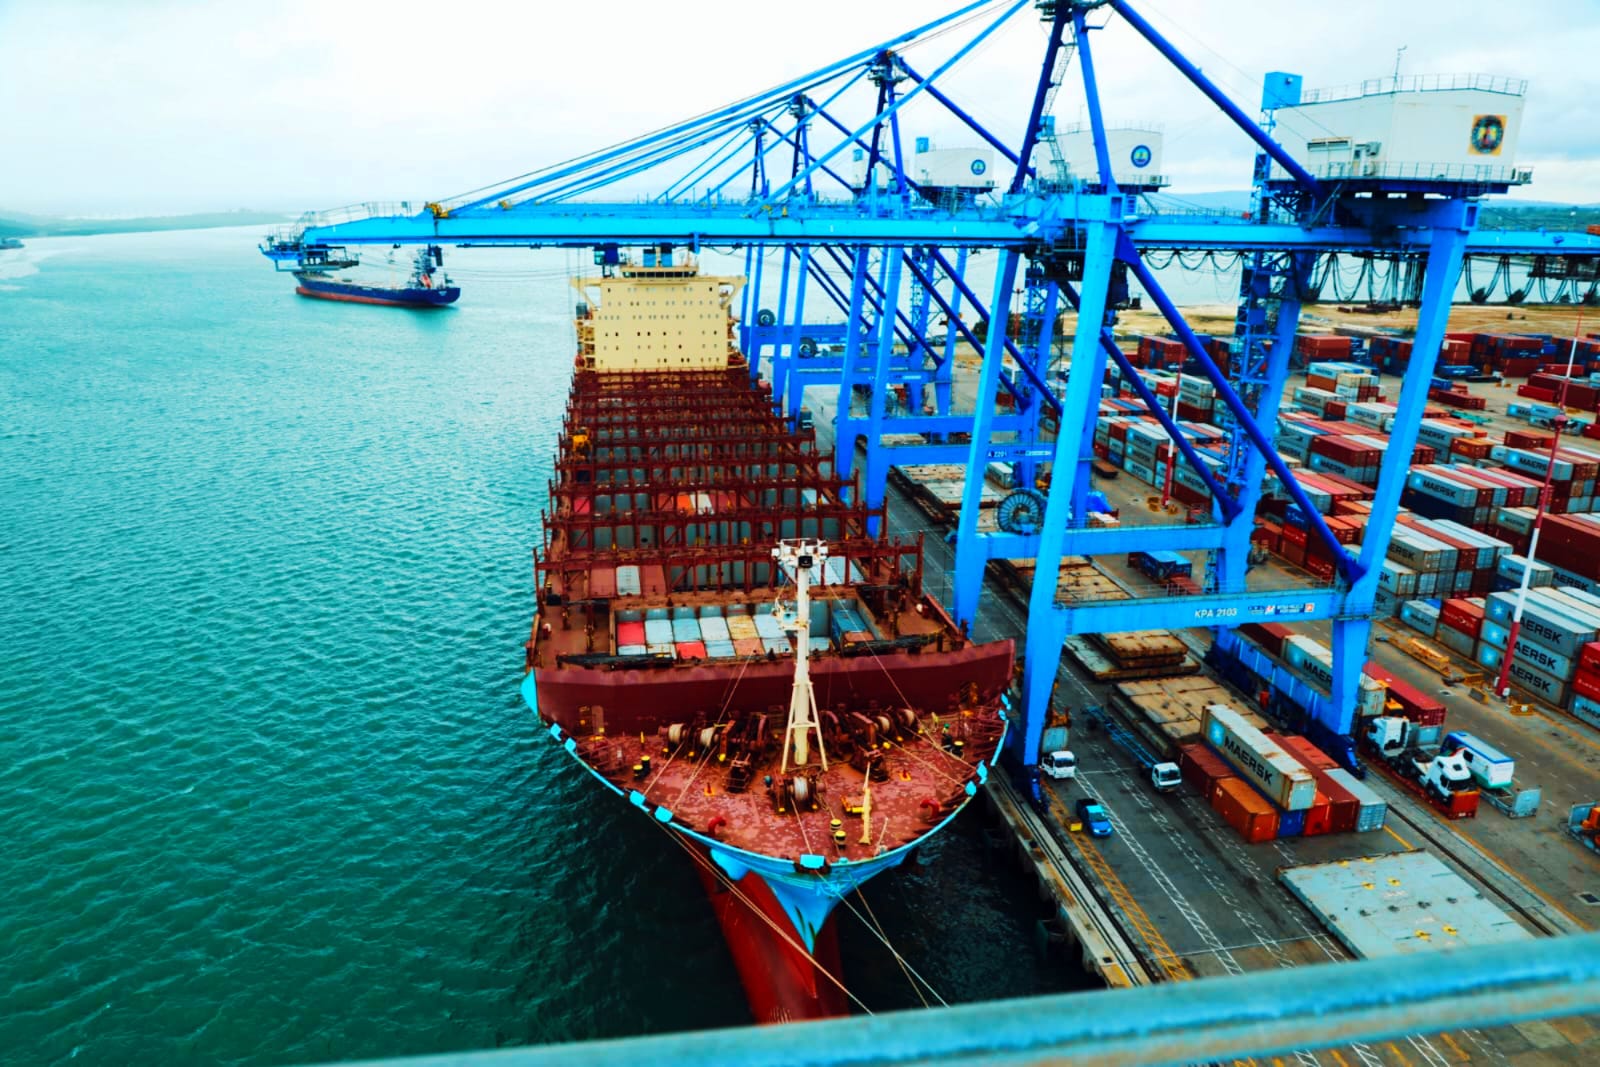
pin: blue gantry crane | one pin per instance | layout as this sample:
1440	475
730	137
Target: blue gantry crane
818	174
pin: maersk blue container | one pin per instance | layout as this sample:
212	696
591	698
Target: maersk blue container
1291	823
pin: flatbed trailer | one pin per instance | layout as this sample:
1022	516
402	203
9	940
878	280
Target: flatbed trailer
1583	823
1462	805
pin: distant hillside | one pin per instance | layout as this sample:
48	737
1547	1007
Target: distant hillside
20	225
1498	213
1536	215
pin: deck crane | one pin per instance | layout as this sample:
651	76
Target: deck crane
777	172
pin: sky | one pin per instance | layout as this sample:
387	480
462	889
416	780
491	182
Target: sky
123	107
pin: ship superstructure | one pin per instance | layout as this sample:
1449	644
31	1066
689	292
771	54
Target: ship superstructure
720	640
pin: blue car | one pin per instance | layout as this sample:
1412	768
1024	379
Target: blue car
1094	817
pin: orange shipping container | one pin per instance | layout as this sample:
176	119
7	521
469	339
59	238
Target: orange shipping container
1247	811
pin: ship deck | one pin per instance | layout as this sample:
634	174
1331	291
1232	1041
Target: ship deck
922	783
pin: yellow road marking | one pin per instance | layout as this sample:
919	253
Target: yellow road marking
1401	1056
1390	831
1529	886
1340	1060
1176	970
1562	725
1457	1049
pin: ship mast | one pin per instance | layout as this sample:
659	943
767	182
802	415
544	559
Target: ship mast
801	555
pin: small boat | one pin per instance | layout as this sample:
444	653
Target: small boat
10	242
426	287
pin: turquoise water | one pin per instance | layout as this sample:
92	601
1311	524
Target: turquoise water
267	792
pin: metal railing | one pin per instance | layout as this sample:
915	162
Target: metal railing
1440	172
372	209
1418	83
1125	127
1259	1014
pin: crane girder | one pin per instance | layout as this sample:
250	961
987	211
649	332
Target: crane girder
1026	223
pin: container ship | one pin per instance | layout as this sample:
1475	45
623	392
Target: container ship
425	287
727	640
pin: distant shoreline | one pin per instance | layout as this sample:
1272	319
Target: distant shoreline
55	227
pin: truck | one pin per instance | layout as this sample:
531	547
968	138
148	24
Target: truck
1164	775
1161	566
1583	823
1492	768
1443	779
1061	764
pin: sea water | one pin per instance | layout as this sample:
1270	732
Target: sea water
268	792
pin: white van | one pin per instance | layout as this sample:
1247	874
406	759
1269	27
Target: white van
1060	765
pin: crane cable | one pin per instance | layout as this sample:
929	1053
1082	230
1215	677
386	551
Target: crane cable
722	876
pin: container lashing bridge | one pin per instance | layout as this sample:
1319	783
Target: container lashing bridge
817	174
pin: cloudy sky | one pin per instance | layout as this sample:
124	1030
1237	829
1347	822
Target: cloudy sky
124	107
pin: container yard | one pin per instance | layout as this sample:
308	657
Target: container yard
1222	877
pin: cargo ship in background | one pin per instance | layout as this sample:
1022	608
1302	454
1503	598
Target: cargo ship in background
727	640
428	286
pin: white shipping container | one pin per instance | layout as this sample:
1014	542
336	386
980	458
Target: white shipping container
1398	579
1537	682
1561	627
1531	462
1281	777
1586	710
1511	567
1565	579
628	580
1518	520
1421	616
1442	487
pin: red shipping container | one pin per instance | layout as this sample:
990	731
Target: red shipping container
603	583
1294	535
1589	656
1247	811
1308	754
630	633
1462	616
1319	816
1269	635
1344	810
1293	553
1586	682
1203	769
1527	439
1320	568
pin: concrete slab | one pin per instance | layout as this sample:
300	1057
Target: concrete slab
1398	905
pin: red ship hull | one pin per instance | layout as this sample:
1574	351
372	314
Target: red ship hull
782	983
